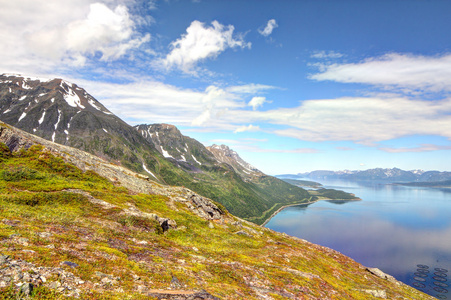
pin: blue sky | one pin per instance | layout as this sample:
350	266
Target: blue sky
292	86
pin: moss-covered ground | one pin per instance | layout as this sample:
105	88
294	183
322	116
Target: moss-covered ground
230	259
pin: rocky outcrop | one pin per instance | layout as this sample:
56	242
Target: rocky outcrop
380	274
181	295
27	275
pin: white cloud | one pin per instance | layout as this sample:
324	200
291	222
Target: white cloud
269	28
250	88
109	32
250	127
201	42
394	70
42	36
324	55
421	148
362	120
297	150
365	120
155	102
257	101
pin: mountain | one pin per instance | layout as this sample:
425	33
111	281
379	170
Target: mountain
74	226
381	174
183	151
65	113
220	174
226	155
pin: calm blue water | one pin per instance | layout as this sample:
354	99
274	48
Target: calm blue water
404	231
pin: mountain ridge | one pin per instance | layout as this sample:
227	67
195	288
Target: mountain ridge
63	112
383	174
262	194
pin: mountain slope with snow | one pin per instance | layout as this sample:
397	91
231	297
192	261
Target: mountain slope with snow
383	174
64	113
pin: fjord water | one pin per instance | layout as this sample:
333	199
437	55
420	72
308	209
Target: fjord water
404	231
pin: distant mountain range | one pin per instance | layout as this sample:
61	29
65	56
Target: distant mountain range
392	175
65	113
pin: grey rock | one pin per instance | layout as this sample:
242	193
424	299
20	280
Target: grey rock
377	293
175	283
244	233
70	264
23	241
379	273
4	258
182	295
54	285
26	289
44	234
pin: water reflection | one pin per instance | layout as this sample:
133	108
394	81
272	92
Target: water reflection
393	228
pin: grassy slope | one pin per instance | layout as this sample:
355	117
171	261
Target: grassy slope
227	265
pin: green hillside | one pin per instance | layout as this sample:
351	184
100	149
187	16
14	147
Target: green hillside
74	234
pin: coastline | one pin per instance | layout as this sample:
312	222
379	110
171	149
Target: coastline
305	203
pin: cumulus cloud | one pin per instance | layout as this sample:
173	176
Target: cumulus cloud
269	27
150	101
250	127
51	34
257	101
202	42
405	71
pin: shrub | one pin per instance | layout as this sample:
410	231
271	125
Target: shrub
19	174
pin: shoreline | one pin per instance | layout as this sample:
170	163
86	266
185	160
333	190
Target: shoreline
305	203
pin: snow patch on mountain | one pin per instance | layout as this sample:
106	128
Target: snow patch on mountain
42	118
148	171
58	121
70	96
93	104
196	160
22	116
165	153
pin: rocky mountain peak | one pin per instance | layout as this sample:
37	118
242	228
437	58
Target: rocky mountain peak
185	152
226	155
58	91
